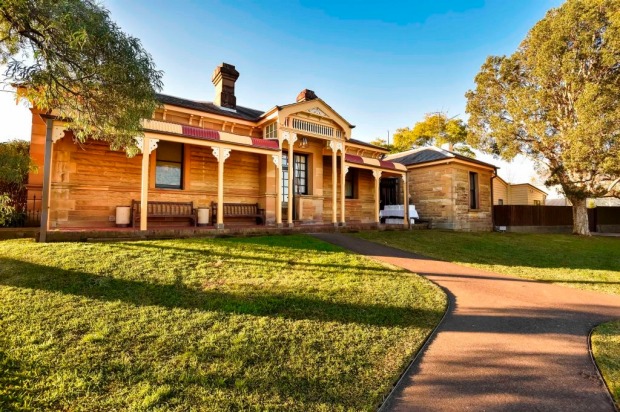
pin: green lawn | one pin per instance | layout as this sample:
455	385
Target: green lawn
586	263
606	351
270	323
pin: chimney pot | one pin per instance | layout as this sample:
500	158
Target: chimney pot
224	78
305	95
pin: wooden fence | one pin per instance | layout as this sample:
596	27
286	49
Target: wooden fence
522	215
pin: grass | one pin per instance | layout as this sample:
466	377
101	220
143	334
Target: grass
606	351
586	263
270	323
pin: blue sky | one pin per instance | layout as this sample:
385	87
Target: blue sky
381	65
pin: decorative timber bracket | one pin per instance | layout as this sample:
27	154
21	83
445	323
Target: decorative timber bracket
225	154
140	144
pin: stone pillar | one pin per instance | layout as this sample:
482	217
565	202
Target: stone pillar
343	173
405	200
291	138
221	155
277	160
52	135
335	146
146	146
377	175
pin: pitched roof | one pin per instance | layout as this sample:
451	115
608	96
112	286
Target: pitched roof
243	113
530	185
372	146
317	99
431	154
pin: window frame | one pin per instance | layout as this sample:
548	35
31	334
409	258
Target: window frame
271	131
351	177
474	191
181	163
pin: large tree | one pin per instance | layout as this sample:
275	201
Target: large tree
436	129
70	57
557	101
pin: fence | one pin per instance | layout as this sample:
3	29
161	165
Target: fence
27	212
32	211
521	215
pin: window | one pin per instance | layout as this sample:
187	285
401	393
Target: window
169	165
300	175
536	202
473	190
500	202
350	189
271	131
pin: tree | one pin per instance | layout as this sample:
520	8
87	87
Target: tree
69	57
15	162
556	100
435	130
383	143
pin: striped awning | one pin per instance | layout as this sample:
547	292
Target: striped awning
207	134
375	163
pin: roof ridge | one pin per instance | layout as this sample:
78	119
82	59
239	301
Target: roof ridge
415	150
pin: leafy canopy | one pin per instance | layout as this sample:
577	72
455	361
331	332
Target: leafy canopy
71	58
15	163
557	99
435	130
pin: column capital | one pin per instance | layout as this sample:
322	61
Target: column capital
290	136
335	146
377	174
140	143
346	170
276	160
404	177
221	155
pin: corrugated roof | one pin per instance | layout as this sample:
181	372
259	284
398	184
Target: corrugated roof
243	113
374	162
431	154
372	146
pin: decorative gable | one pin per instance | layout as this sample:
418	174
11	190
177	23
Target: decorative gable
318	112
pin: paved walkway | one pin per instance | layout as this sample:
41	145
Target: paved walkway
506	343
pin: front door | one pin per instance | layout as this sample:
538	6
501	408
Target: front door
300	179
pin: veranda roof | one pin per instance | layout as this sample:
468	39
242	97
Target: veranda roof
199	133
374	163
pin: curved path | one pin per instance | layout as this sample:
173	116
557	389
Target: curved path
505	344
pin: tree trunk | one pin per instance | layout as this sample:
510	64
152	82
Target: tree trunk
580	217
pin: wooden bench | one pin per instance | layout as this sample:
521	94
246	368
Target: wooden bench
165	210
240	210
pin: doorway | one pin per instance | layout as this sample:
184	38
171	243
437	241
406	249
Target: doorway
389	192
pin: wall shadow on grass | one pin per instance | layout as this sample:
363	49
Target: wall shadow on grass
243	301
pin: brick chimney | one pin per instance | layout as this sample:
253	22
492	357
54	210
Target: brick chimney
305	95
224	78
